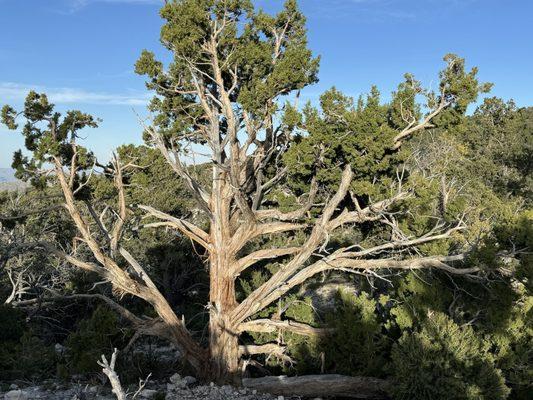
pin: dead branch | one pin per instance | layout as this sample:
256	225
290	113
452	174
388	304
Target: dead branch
270	325
261	255
321	386
292	215
108	368
187	228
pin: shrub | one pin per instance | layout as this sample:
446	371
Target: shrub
445	361
22	354
35	359
12	323
95	336
357	346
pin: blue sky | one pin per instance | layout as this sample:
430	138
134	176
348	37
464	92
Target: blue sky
81	52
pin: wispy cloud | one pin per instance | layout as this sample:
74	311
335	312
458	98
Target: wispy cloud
76	5
17	92
82	3
381	10
368	11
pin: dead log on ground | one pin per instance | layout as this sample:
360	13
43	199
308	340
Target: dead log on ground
321	386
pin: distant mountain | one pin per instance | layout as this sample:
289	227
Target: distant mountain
7	175
9	182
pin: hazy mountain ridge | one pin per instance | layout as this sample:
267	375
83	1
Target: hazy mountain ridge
9	182
7	175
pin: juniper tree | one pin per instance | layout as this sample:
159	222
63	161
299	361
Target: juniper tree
222	96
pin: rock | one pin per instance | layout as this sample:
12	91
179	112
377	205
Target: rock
281	398
189	380
16	395
226	389
93	389
179	382
59	349
148	393
171	387
175	379
13	386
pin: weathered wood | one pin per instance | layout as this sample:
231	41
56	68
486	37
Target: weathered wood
265	325
321	386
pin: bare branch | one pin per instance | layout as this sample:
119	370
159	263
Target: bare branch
187	228
272	325
269	348
292	215
116	232
260	255
425	123
200	195
403	243
319	233
123	312
108	368
369	213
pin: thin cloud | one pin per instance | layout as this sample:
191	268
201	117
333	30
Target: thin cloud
381	10
76	5
362	10
82	3
17	92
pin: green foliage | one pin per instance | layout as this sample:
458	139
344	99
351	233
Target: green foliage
22	354
357	346
341	134
460	89
363	135
445	361
99	334
501	141
35	358
513	348
262	57
48	136
415	297
12	323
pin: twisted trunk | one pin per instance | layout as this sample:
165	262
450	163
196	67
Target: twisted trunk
223	351
223	338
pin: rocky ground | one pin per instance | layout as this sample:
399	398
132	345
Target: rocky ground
177	388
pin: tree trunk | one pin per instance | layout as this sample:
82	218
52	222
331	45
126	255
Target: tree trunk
224	352
223	338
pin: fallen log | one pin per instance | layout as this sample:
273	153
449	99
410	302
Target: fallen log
321	386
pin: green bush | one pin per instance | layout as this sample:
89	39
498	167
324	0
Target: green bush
513	348
35	359
22	354
95	336
357	346
12	323
445	361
